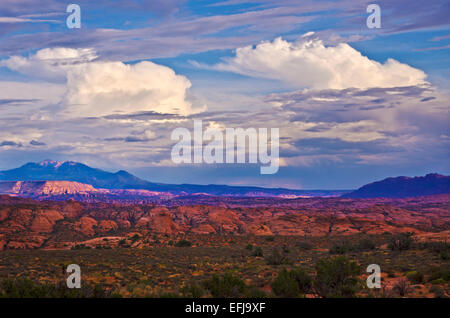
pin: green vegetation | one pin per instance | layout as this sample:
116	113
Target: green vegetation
437	291
402	287
192	290
81	247
183	243
226	286
292	283
440	248
279	256
415	277
304	245
337	277
401	242
26	288
287	269
343	247
257	252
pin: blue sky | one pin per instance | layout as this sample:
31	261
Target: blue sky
353	104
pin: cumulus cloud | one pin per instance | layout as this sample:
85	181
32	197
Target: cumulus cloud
101	88
309	63
49	63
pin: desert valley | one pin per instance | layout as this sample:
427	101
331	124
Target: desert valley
174	241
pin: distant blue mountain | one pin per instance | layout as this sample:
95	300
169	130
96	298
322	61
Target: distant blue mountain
49	170
402	187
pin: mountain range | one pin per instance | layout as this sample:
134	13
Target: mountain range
57	180
401	187
50	170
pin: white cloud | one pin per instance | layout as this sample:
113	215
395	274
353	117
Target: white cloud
48	93
98	88
50	63
24	20
308	63
102	88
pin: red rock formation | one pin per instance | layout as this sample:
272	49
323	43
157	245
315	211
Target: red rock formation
86	225
162	223
105	226
29	224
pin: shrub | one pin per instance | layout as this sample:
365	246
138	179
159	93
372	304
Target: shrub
441	248
390	274
439	281
135	237
285	285
192	291
80	247
183	243
402	287
439	272
254	292
344	247
436	247
227	286
303	280
336	277
401	242
415	277
291	283
303	245
258	252
279	257
366	245
341	248
249	247
437	291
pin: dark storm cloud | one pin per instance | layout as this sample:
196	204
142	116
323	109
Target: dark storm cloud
311	146
147	115
17	101
37	143
10	143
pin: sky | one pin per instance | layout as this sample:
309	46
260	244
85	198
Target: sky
353	104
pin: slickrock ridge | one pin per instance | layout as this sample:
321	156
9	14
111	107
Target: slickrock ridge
64	190
36	188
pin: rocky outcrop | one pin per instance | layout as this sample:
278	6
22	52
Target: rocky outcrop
45	221
106	226
162	223
86	225
42	188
